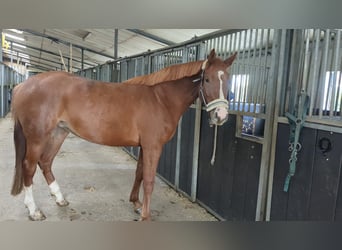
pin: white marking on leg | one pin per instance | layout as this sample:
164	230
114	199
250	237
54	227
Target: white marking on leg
29	201
55	191
34	212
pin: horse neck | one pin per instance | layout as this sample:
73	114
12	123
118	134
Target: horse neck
178	95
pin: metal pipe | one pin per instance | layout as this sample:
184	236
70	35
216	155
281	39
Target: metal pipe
306	61
283	46
336	71
82	60
245	81
254	71
315	72
2	77
116	44
260	69
265	155
249	89
323	71
178	152
196	150
70	66
2	100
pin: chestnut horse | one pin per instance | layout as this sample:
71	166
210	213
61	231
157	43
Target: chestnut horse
142	112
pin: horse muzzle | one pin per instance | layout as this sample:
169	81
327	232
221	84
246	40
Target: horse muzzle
218	111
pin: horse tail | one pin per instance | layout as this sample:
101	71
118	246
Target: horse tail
20	151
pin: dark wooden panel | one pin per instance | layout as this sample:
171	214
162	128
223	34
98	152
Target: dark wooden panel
294	204
254	151
206	189
167	162
230	186
187	144
315	192
336	144
246	175
281	168
326	178
301	183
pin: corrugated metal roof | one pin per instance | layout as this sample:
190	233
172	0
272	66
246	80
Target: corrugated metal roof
44	46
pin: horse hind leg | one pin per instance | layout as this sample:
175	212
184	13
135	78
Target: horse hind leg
134	197
54	143
29	169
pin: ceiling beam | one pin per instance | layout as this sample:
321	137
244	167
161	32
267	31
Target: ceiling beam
36	63
40	67
52	53
58	40
34	56
152	37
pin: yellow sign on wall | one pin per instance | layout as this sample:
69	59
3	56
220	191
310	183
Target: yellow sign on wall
5	44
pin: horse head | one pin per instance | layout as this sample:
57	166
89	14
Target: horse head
214	87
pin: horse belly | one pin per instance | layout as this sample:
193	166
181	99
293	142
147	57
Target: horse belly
104	134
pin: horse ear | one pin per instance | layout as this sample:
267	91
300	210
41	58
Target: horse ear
230	60
209	60
212	55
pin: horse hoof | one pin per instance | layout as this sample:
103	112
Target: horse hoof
138	210
62	203
37	216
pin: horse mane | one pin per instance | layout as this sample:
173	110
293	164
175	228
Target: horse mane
170	73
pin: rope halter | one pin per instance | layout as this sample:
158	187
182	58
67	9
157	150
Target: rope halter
220	102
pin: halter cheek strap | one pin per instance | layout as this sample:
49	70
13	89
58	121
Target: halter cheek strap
219	102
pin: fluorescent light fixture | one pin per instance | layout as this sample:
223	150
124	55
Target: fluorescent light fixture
19	45
14	37
16	31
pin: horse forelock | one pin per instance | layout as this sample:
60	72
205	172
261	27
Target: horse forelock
170	73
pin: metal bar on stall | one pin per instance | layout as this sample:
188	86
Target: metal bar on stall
323	71
335	78
2	70
70	66
254	69
245	81
178	152
248	63
239	65
234	67
265	71
268	137
282	54
260	68
196	150
2	100
313	90
179	130
222	51
306	61
82	60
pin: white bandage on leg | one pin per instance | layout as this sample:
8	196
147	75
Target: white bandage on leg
55	190
29	201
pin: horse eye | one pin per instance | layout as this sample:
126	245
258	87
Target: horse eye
207	80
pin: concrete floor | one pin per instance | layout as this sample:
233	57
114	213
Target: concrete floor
95	179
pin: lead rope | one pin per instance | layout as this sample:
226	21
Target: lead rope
212	161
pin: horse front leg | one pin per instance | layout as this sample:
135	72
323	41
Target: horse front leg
150	163
134	197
